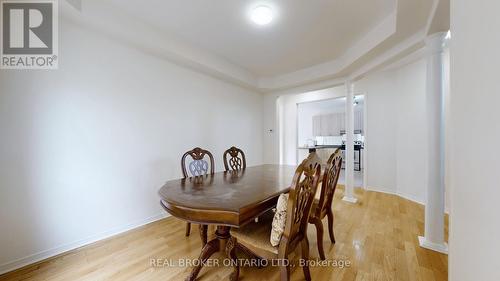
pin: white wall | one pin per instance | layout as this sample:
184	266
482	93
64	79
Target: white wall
475	177
411	133
271	138
84	149
380	134
396	128
395	109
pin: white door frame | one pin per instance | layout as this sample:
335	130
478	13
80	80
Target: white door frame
365	132
365	148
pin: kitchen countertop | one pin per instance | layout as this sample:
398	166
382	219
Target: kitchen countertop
321	146
356	146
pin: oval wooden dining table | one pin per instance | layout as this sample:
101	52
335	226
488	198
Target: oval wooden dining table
225	199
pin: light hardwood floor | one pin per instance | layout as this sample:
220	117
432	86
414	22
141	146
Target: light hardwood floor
378	235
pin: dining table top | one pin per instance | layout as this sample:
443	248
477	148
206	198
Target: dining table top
230	198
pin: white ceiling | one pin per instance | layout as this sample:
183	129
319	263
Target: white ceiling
311	44
304	33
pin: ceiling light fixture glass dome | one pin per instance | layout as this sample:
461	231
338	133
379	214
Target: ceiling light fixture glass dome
262	15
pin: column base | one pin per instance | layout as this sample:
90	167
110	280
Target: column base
441	248
350	199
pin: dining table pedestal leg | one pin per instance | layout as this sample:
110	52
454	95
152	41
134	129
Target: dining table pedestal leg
211	247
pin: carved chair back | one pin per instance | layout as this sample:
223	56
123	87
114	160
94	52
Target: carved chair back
329	182
301	196
313	159
198	166
237	161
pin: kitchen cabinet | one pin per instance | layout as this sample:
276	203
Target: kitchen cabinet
323	125
329	125
341	122
332	124
316	125
358	120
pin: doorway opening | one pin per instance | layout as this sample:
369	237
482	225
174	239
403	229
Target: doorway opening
317	123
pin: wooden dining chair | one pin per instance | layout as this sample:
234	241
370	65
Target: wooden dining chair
313	159
198	166
236	161
322	206
255	236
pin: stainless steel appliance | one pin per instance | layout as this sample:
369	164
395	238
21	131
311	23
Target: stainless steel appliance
358	147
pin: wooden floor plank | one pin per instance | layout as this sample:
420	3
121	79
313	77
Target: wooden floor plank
378	236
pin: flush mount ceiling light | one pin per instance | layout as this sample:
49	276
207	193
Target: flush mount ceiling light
262	15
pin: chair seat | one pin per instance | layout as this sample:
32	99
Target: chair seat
256	235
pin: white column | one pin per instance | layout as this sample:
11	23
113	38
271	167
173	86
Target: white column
434	207
349	144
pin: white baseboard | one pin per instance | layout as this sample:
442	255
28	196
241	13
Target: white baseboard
16	264
441	248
